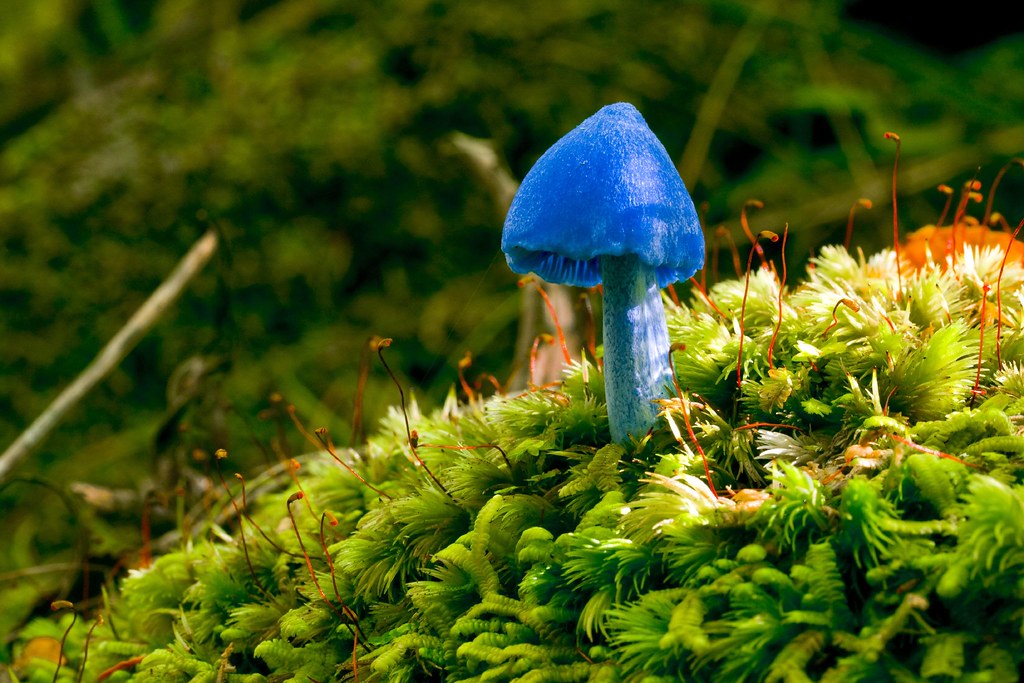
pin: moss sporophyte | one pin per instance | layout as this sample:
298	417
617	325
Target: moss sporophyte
860	517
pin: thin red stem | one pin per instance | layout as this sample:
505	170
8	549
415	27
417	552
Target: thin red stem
968	192
849	303
866	203
56	606
757	204
479	382
323	441
554	317
381	345
672	295
334	579
782	284
309	562
734	251
892	325
465	362
693	437
120	666
895	215
998	218
248	518
540	338
930	451
504	456
686	417
981	344
999	296
758	425
85	647
294	469
220	455
743	306
1017	161
948	191
704	293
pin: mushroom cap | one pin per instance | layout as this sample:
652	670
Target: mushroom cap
607	188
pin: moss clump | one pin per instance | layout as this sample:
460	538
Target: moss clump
864	520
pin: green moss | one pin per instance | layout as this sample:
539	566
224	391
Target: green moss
887	543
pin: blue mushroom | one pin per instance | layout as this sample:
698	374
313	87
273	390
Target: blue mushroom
606	205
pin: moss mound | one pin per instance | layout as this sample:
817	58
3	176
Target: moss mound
864	518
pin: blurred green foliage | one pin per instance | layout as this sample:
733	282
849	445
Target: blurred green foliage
315	135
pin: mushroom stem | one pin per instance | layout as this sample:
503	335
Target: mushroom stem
636	364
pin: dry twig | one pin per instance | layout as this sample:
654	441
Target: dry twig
113	353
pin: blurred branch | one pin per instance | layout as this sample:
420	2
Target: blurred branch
495	175
113	353
483	159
